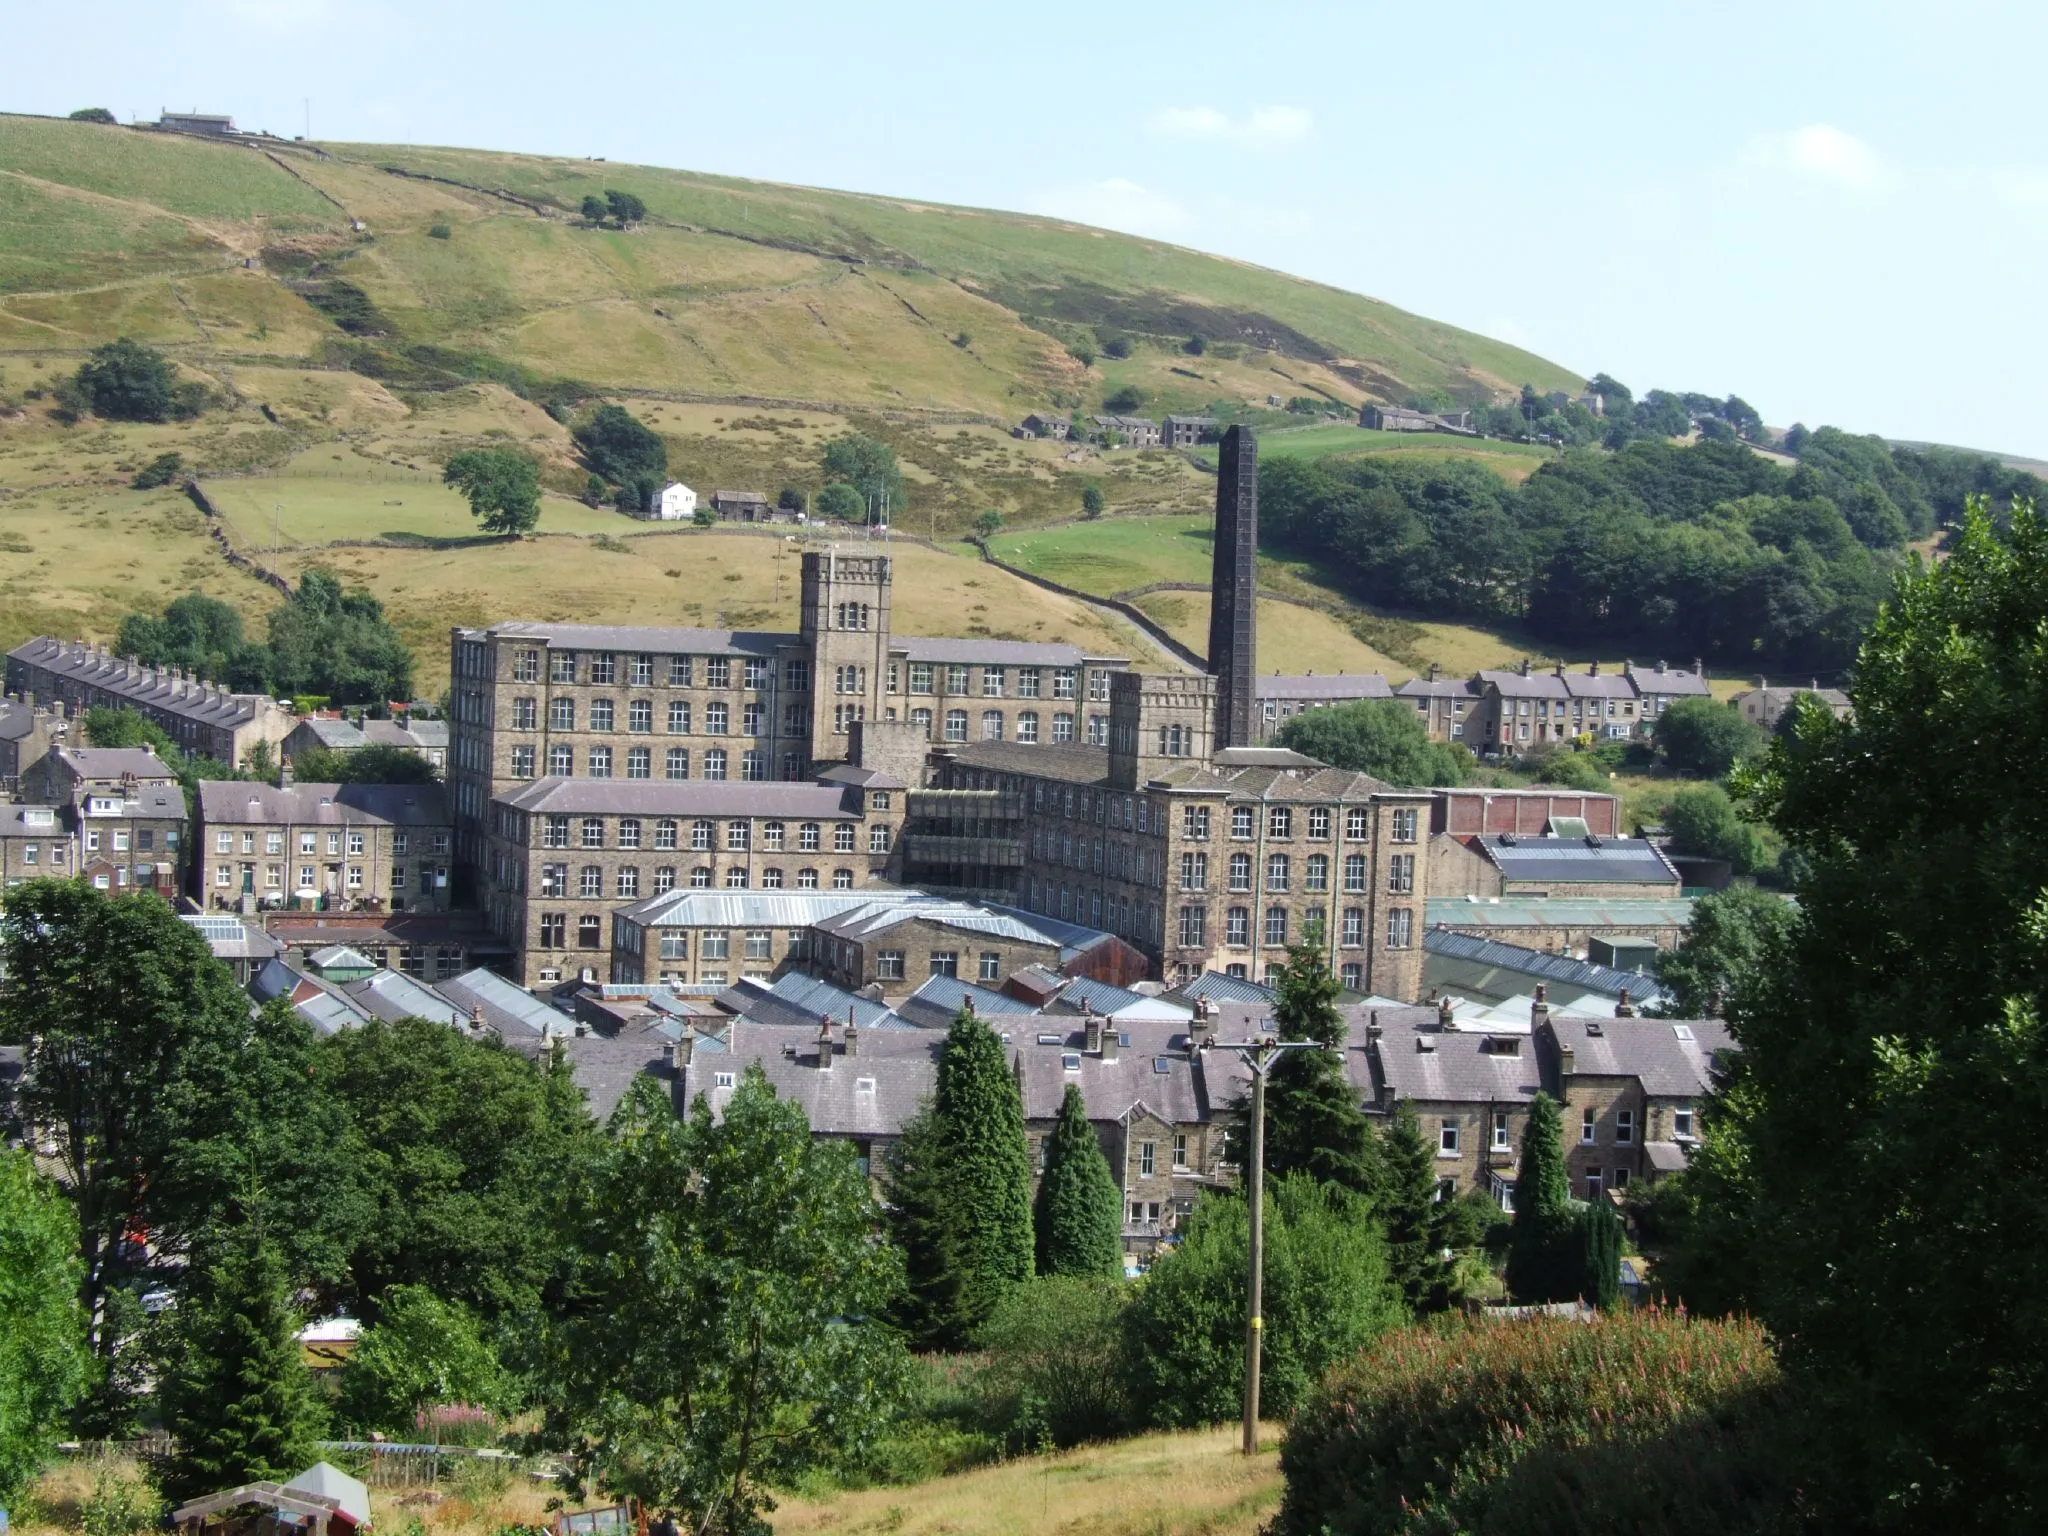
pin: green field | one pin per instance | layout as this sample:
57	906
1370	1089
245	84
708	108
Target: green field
1511	461
304	509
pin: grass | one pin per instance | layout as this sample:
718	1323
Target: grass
1192	1484
394	504
1513	462
1292	640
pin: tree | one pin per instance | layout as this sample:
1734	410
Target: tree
234	1388
595	209
1327	1294
1703	822
791	499
1868	1224
1091	500
1573	770
841	502
460	1145
624	207
1539	1267
1124	401
1733	936
1078	1219
1195	345
1051	1349
869	466
1114	343
594	491
1382	737
989	524
420	1352
1413	1213
199	633
92	115
503	487
1314	1124
167	1097
617	445
1599	1231
987	1165
43	1358
718	1333
127	381
920	1220
378	763
337	643
1704	739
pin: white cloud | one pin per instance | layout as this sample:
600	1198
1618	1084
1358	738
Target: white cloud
1261	128
1825	153
1117	203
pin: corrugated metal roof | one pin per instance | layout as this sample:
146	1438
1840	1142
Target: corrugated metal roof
632	637
1559	912
506	1004
938	1002
1118	1003
1534	962
1072	938
392	995
1617	860
799	999
688	908
1219	988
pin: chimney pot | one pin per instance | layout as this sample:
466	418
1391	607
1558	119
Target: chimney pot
1091	1032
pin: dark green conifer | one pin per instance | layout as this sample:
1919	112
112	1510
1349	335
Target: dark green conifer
986	1165
1079	1215
1413	1215
1600	1255
1543	1219
1314	1124
920	1211
235	1392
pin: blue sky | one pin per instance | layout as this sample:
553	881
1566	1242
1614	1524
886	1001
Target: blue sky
1835	210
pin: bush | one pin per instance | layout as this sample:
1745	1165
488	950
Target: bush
1052	1375
1429	1429
122	1503
126	381
1572	770
1327	1293
440	232
161	470
1703	822
1124	401
1703	739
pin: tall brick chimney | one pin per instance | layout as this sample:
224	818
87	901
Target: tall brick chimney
1233	590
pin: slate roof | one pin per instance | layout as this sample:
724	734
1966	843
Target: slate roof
1560	912
1071	762
336	734
416	734
1460	1067
392	995
1673	1058
1015	653
1331	685
605	1066
1610	860
153	687
1674	681
17	719
638	637
682	797
879	916
800	1000
16	821
1598	685
1603	979
516	1014
868	1094
1513	685
96	763
325	805
1438	688
1152	1070
938	1002
862	778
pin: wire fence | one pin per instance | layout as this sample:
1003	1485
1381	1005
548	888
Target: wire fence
384	1464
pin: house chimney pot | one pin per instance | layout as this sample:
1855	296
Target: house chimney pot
825	1045
1111	1039
1624	1009
1525	666
1091	1031
1539	1010
852	1036
1435	671
1445	1019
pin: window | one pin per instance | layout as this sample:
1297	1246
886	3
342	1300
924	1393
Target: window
842	879
956	725
561	761
771	879
1404	825
554	930
1681	1124
604	668
639	763
739	835
1401	874
677	763
526	666
1063	682
603	714
1589	1125
760	944
1276	925
522	762
716	944
807	837
600	762
1148	1159
945	962
1353	932
991	966
593	832
679	670
796	676
590	931
700	879
1241	823
1180	1151
1594	1179
1279	872
992	679
1316	875
1063	726
701	834
629	881
640	715
664	879
842	837
889	964
956	679
561	714
920	677
590	882
1279	821
753	716
1500	1130
679	717
878	838
562	667
717	719
991	725
1027	727
754	673
1352	976
1237	927
1194	822
525	714
1240	871
1192	921
1354	824
1447	1138
1027	682
717	672
1194	871
714	764
1624	1127
1401	928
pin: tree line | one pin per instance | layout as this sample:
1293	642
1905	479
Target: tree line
1704	550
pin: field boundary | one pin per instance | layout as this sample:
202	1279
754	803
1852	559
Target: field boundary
1151	627
216	528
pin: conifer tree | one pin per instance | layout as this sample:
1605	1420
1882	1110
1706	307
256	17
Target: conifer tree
1543	1198
1413	1215
928	1311
1079	1216
1314	1124
985	1165
1599	1232
235	1392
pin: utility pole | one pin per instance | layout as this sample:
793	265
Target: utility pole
1261	1055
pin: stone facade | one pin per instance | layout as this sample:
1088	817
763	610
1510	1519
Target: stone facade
1233	591
124	809
204	720
369	847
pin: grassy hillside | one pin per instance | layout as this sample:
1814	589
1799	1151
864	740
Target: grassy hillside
746	323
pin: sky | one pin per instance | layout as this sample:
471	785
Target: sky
1835	210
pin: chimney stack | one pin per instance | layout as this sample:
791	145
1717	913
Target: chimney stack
1525	666
1435	671
682	1050
1539	1011
825	1044
1111	1039
1445	1019
1624	1009
1091	1030
1233	590
852	1035
1567	1063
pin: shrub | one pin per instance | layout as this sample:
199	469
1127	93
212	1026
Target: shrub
1572	770
122	1503
440	232
1052	1362
1124	401
125	381
1428	1429
161	470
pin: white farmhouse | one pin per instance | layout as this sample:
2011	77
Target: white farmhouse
673	503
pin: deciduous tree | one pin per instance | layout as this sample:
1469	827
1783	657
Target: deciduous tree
127	381
1733	937
1382	737
617	445
1704	738
43	1358
503	487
